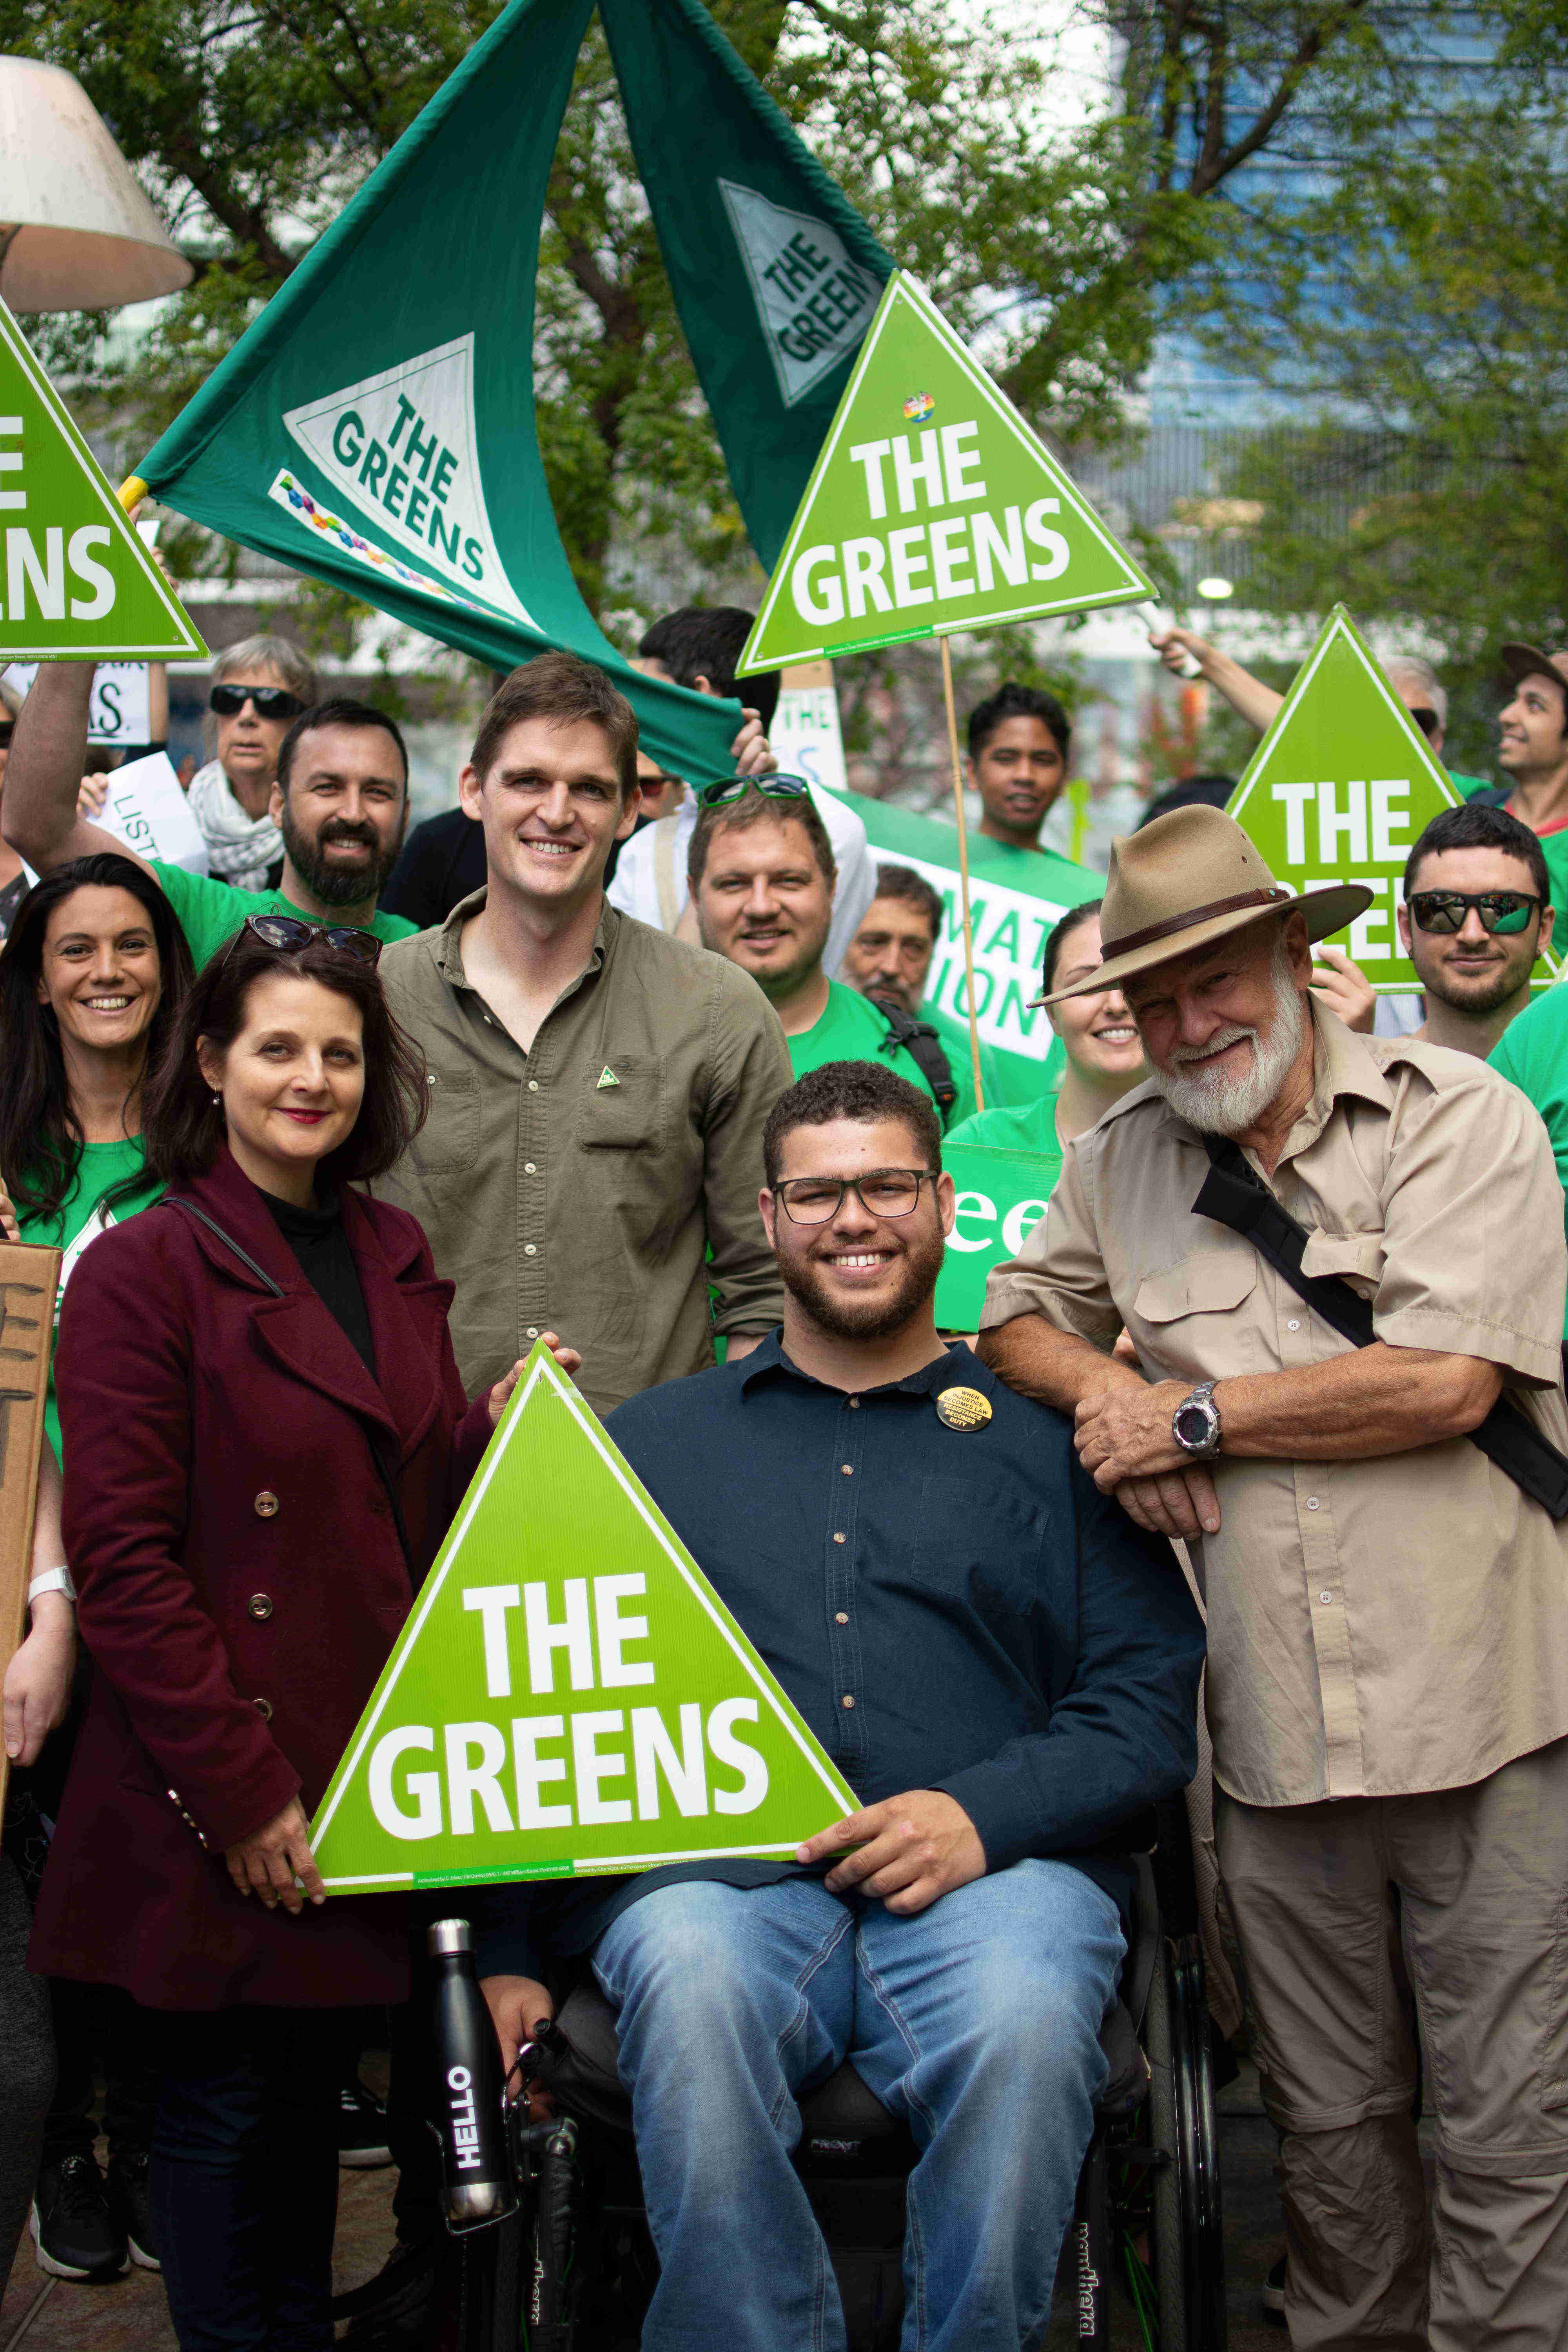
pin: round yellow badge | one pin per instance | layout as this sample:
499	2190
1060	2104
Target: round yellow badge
963	1408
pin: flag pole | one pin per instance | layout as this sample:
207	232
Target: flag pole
962	867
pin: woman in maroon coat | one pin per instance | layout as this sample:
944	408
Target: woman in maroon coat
266	1438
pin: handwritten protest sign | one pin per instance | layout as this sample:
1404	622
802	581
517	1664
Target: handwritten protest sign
933	507
1001	1196
77	584
148	812
119	710
569	1696
1341	788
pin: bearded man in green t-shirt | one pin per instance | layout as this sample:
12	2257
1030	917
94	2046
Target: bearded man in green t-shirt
340	802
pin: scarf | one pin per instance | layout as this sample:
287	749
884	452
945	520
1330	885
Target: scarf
241	849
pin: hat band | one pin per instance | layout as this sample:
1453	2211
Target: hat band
1189	921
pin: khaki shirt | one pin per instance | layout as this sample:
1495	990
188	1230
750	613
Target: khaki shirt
558	1200
1375	1627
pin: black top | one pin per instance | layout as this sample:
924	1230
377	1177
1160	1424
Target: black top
965	1611
317	1240
443	861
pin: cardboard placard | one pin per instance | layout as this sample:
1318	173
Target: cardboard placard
28	1279
148	812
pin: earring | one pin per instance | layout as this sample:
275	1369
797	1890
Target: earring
217	1102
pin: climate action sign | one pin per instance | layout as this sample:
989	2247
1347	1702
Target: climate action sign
932	506
570	1695
1001	1196
1339	790
77	583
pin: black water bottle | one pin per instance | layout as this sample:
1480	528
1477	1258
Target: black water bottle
469	2122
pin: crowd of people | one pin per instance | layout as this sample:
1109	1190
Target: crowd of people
642	1067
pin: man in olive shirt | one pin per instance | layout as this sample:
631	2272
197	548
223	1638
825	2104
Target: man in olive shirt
597	1091
1387	1645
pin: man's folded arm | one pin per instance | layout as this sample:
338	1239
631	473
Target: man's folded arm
1124	1731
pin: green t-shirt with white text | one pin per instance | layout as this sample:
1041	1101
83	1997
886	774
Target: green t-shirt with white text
79	1221
211	912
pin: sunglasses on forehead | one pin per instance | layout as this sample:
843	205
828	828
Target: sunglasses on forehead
271	701
733	788
291	932
1504	911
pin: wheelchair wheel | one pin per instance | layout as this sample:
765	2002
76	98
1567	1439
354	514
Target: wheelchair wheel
1188	2245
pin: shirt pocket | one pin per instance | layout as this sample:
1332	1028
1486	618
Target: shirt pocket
978	1546
448	1142
1356	1258
620	1105
1194	1320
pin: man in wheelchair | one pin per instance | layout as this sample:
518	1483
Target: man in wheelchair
1002	1666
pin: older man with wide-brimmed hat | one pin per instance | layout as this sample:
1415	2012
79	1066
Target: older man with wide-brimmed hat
1340	1261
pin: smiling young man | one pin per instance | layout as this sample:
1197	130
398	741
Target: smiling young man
597	1091
1476	914
886	1522
1532	753
340	799
762	878
1019	741
1388	1653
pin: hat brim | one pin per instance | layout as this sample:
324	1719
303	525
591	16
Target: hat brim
1519	661
1325	911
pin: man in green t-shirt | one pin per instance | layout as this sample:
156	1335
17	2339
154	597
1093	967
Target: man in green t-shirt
1532	1055
761	872
340	802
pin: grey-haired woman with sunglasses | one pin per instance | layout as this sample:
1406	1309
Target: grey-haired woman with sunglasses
268	1438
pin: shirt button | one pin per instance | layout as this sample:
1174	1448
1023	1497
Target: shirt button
1311	1502
532	1331
848	1699
1325	1598
1294	1324
841	1617
529	1169
839	1539
259	1606
432	1077
266	1505
847	1469
854	1404
533	1085
531	1249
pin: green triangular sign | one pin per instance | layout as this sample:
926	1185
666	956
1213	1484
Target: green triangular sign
1339	790
569	1695
932	507
77	583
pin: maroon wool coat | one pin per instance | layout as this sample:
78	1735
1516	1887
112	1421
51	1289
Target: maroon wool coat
241	1583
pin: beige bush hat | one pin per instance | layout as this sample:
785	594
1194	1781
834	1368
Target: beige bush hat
1185	880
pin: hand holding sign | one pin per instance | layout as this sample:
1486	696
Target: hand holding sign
569	1359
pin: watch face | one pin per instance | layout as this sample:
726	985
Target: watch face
1193	1426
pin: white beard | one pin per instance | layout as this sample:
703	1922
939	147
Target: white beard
1229	1105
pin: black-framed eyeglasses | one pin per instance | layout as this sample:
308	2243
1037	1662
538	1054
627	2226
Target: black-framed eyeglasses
292	932
271	701
1426	720
733	788
1505	911
881	1193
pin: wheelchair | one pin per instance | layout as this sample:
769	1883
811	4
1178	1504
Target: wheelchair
573	2269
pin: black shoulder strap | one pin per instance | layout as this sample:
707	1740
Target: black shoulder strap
389	1484
924	1048
1234	1195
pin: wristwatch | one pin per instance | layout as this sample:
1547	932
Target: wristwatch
1195	1424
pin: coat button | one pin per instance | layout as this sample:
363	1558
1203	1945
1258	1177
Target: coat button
259	1606
266	1505
263	1707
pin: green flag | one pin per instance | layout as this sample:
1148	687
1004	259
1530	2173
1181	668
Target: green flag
569	1696
775	275
1001	1196
933	507
76	581
1016	896
1340	789
374	427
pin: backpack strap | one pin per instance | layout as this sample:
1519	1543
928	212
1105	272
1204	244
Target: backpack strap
924	1048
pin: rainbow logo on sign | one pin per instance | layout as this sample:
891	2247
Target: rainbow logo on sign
918	406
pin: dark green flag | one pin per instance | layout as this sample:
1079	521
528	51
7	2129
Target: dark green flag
375	424
776	276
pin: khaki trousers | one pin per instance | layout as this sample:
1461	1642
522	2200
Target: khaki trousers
1344	1910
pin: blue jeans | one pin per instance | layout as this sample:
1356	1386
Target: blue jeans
245	2175
976	2021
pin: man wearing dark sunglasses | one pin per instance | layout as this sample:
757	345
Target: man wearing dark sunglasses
339	800
1476	918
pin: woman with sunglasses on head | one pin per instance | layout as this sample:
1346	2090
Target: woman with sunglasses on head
268	1438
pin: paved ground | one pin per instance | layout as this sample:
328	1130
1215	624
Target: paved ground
40	2315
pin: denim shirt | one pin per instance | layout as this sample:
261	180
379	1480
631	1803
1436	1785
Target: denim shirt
956	1608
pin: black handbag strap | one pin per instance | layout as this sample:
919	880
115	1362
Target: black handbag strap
389	1484
1234	1195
